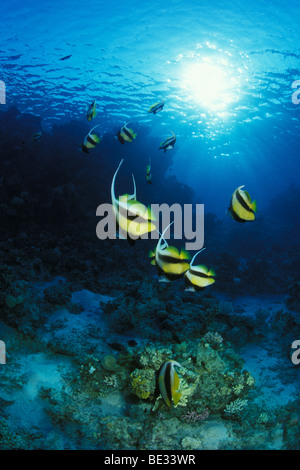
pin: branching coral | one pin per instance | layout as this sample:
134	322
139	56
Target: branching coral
143	383
215	340
194	416
236	406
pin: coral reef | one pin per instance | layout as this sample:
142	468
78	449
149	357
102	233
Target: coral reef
58	294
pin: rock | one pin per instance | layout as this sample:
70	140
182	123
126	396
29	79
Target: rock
11	301
190	443
109	363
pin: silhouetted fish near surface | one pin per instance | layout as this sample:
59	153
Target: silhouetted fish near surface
91	113
37	136
66	57
148	173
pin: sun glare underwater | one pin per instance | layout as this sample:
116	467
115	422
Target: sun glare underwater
128	131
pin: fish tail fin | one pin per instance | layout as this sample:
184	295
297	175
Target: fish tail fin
253	206
211	272
151	254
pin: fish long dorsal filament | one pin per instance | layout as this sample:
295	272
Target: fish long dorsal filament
194	257
113	195
93	129
133	196
159	246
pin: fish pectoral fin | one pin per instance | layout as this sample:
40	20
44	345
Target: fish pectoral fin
202	268
190	289
164	279
247	196
176	398
175	395
96	138
173	251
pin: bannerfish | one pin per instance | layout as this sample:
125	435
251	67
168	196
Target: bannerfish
241	208
168	143
168	382
91	113
90	141
133	217
148	173
198	277
37	136
156	107
170	263
125	134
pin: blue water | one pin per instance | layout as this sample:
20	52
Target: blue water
127	57
225	71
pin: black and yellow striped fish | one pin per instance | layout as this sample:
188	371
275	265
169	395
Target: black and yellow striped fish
37	136
133	217
168	143
90	141
168	382
156	107
125	134
170	263
198	277
91	112
148	173
241	208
